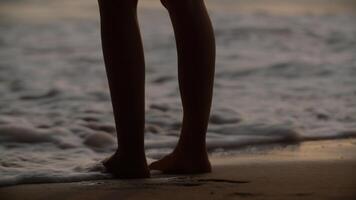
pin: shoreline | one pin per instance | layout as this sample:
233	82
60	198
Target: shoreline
311	170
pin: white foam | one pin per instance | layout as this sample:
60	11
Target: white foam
22	134
100	140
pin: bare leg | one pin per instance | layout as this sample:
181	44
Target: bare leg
125	67
196	64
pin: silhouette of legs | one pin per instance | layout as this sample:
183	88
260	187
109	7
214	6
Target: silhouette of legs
125	67
196	65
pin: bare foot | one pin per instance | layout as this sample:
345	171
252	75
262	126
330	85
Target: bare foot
180	162
126	167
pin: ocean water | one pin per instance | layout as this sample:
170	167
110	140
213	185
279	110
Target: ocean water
282	77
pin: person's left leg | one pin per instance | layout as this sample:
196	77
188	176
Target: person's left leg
125	67
196	64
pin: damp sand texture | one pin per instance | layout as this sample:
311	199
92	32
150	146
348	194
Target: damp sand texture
308	172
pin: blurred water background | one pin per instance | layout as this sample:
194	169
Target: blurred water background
285	74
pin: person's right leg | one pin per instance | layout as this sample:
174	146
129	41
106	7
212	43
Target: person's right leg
196	63
125	67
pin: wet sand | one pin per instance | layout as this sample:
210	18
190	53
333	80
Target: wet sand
312	170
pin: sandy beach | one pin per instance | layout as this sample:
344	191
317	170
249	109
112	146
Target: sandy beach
312	170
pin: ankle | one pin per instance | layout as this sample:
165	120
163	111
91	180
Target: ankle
191	149
192	141
131	155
